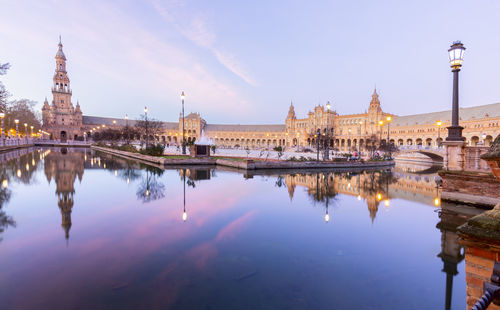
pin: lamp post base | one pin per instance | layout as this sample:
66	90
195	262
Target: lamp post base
455	133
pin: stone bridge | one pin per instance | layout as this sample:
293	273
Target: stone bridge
435	153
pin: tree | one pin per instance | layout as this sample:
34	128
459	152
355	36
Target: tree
152	126
23	110
4	94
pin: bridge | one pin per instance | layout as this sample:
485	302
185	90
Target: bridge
435	153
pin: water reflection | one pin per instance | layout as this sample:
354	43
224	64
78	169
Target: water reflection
452	253
263	244
64	166
17	167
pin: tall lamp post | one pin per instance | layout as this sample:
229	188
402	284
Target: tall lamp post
439	124
380	124
389	119
2	116
32	131
327	150
484	138
17	130
183	131
318	135
456	54
359	140
26	132
147	132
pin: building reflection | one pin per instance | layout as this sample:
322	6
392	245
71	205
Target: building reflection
17	166
372	187
452	253
64	166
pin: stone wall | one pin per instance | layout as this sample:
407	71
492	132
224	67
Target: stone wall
470	187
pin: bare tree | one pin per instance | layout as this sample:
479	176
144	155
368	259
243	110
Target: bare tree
23	110
4	94
149	127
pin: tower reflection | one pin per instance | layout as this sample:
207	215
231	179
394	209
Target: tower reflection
64	165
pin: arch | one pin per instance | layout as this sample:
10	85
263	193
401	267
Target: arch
409	142
439	141
474	140
488	140
428	142
418	141
400	142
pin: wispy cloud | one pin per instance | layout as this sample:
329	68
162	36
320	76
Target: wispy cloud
197	30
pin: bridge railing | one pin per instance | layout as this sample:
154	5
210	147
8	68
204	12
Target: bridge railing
437	149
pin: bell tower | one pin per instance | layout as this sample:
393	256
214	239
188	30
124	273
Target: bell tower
61	119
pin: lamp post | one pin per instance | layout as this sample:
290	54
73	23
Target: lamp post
2	115
146	118
484	138
26	132
359	140
389	119
456	54
327	150
31	131
380	124
439	124
127	133
17	130
183	131
318	134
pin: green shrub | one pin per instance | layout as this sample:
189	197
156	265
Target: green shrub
278	148
127	148
153	150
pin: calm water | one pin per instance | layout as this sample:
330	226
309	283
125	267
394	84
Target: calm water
83	230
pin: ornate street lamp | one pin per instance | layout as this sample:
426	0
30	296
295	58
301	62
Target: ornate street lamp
389	119
2	116
146	119
17	130
456	54
32	130
359	140
439	124
327	151
380	124
183	131
26	132
484	138
318	135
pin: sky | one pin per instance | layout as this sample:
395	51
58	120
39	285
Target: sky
243	62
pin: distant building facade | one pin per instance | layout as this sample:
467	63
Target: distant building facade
345	132
60	118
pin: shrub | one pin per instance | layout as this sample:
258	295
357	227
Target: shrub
278	148
153	150
127	148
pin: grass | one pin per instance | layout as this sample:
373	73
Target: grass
176	156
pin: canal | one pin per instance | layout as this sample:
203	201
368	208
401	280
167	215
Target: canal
85	230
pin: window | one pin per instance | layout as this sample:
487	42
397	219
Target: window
60	66
62	101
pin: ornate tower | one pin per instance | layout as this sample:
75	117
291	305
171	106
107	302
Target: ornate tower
61	119
374	113
290	126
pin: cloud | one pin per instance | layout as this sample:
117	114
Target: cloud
197	30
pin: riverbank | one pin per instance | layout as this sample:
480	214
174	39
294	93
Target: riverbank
14	147
243	163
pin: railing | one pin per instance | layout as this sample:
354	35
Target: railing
15	141
439	149
11	142
473	161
